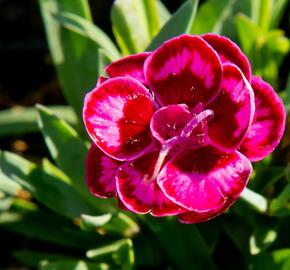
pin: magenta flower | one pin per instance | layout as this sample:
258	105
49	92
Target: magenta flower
174	130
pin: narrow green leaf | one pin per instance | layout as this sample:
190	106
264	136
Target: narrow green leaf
277	12
183	244
89	222
118	223
87	29
8	186
74	56
74	265
23	120
248	33
211	16
264	233
278	259
151	9
238	231
46	184
15	168
33	258
69	151
52	188
103	62
121	252
48	227
282	200
163	13
287	90
180	23
256	200
130	25
5	203
263	13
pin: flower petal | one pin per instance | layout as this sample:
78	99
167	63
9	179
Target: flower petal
233	110
194	217
141	194
117	116
204	179
169	121
131	65
184	69
269	122
229	52
100	173
101	79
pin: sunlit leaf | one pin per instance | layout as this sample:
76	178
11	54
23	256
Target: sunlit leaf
180	23
130	25
89	30
24	119
74	56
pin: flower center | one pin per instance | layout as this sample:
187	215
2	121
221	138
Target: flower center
179	129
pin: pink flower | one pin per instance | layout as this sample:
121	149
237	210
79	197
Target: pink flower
174	130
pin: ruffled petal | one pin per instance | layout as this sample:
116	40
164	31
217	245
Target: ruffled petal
269	122
204	179
185	70
131	65
101	79
169	121
229	52
194	217
101	172
233	110
139	192
117	116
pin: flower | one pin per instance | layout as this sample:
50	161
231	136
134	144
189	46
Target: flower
174	130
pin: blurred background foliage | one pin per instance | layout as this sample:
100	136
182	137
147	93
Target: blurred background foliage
48	219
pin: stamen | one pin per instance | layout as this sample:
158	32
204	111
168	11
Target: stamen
202	118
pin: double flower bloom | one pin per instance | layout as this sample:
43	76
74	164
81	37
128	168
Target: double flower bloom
174	130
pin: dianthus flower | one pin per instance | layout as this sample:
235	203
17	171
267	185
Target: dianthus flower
174	130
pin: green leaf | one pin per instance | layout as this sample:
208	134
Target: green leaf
248	33
180	23
151	10
8	186
130	25
256	200
287	90
92	222
163	13
46	184
277	12
48	227
120	252
118	223
183	244
16	169
103	62
74	265
278	259
281	201
69	151
74	56
238	231
33	258
265	7
23	120
211	16
87	29
261	239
